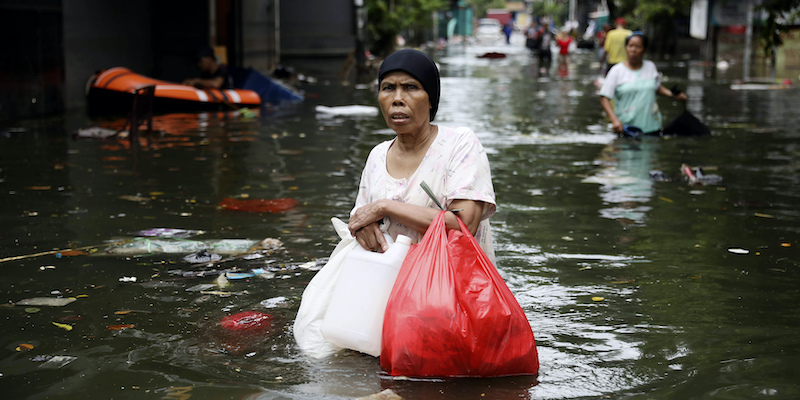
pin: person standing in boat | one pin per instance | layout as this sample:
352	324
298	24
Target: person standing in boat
213	75
451	161
633	86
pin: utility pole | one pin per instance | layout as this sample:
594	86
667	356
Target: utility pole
572	12
748	40
361	61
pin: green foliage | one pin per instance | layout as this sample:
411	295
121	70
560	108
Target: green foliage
388	18
655	12
557	11
479	7
781	14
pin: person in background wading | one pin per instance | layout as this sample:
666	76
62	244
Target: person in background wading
614	46
451	161
545	54
633	85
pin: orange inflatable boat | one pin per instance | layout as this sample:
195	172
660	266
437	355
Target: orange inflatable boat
113	90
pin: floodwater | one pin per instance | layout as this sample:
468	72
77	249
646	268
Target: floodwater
635	287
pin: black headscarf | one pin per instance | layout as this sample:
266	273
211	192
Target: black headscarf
418	65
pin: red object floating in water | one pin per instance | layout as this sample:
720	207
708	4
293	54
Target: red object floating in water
258	205
119	327
493	55
247	321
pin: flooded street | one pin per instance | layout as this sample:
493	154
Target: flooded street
637	284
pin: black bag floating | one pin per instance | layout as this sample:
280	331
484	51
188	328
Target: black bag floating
685	124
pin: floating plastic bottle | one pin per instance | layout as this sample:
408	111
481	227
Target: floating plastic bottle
354	319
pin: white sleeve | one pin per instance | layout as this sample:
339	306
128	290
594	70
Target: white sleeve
610	83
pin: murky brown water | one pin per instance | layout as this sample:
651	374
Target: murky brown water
699	283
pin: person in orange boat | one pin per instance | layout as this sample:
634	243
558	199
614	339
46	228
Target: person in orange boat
213	75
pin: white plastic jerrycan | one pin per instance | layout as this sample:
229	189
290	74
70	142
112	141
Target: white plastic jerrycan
354	319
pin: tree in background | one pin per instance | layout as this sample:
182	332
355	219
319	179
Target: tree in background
557	12
479	7
658	15
781	15
388	18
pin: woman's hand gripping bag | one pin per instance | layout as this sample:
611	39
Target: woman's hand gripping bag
450	314
317	296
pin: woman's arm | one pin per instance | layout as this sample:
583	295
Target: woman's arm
615	122
668	93
365	228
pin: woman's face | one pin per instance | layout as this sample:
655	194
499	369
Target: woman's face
404	103
635	48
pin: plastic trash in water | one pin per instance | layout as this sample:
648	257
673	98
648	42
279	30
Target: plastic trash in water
46	301
353	110
144	245
274	302
239	275
168	233
258	205
698	177
241	333
202	287
56	362
492	55
202	256
247	321
97	132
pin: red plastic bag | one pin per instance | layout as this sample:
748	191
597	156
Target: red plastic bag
258	205
450	313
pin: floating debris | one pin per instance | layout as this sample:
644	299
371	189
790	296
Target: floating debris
222	293
274	302
258	205
63	326
119	327
24	347
238	275
46	301
202	256
247	320
698	177
201	287
222	281
144	245
96	132
387	394
353	110
492	55
169	233
737	250
57	362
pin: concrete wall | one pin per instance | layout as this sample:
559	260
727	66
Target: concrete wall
32	60
100	35
324	28
260	34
